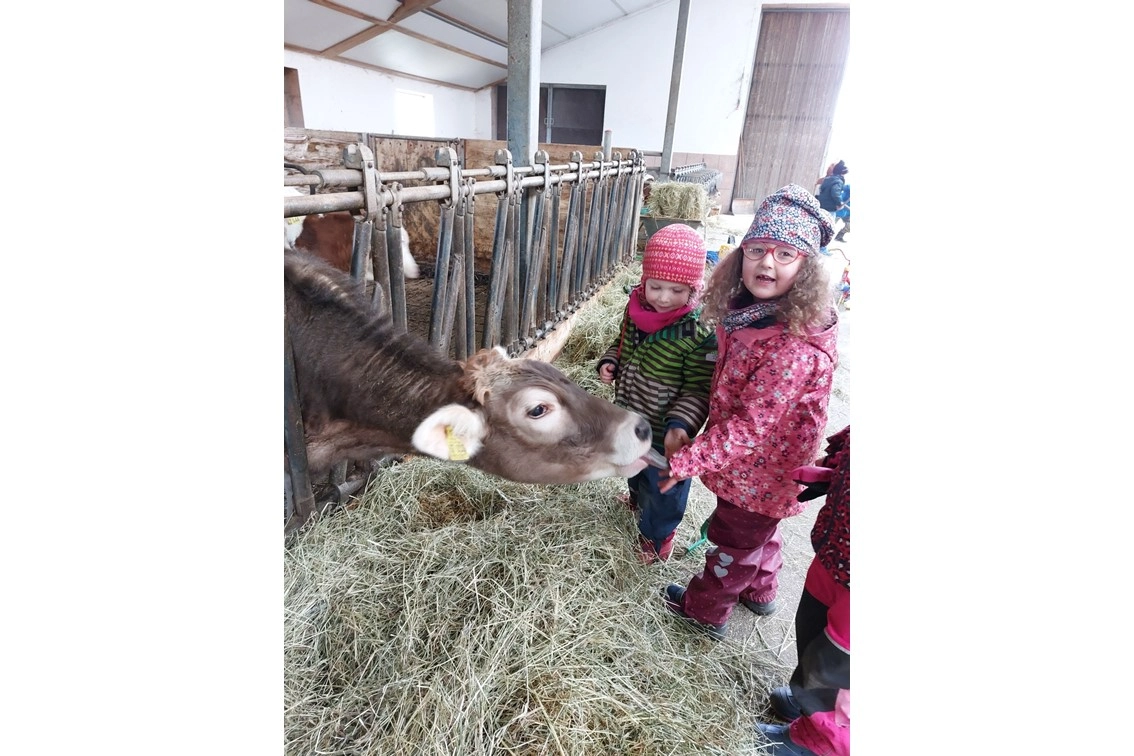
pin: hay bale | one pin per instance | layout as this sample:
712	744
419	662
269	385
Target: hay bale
677	199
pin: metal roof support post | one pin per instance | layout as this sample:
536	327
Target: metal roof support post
525	43
525	21
674	87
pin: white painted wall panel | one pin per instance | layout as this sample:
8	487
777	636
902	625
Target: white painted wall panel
341	97
634	59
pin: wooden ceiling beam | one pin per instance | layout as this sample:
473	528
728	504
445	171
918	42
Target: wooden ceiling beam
410	7
363	36
381	27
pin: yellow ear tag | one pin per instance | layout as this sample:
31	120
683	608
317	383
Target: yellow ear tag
457	451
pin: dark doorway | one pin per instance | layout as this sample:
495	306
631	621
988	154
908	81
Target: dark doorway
568	114
293	103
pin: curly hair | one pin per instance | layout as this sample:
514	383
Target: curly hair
807	303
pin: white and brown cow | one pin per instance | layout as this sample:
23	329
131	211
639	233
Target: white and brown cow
366	389
331	237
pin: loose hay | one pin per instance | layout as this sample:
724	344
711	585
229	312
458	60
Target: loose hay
524	625
452	612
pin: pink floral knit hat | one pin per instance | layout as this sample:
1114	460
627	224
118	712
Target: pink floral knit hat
675	253
792	215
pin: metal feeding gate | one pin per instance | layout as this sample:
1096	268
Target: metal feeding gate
699	173
537	279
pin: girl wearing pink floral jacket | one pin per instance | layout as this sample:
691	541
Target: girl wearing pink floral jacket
776	336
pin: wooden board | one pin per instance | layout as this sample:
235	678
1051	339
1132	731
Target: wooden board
312	148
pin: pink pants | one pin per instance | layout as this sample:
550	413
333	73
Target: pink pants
744	563
826	732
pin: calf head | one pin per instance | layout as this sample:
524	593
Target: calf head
367	389
528	422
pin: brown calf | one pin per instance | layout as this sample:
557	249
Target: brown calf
331	237
366	390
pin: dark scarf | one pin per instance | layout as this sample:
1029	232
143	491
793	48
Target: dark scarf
746	316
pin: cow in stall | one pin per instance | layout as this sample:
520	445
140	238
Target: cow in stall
367	389
331	237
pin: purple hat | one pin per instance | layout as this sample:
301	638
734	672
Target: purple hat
792	215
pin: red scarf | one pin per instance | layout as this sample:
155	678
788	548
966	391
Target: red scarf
650	320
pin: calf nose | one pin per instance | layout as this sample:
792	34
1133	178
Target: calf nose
642	429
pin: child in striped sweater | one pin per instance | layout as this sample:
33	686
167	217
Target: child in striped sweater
662	366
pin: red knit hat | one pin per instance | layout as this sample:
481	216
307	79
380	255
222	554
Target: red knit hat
675	253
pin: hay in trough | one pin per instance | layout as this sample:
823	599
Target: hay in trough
453	612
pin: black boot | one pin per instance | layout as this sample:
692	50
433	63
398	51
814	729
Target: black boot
839	237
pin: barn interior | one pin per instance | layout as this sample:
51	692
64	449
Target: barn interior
517	144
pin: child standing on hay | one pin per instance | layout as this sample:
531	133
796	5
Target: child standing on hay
768	407
663	364
816	702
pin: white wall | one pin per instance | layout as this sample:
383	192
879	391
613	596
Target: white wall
634	59
340	97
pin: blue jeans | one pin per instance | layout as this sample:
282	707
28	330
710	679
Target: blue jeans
659	513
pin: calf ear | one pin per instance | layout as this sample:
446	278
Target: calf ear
477	379
452	432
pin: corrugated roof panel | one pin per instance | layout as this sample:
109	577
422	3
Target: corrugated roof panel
380	9
315	27
487	15
445	32
399	52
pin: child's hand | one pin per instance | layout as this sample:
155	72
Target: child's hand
675	438
606	372
665	482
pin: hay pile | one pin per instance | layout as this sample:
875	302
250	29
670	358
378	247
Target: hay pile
452	612
678	199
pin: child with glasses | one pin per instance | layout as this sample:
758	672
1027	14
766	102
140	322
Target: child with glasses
663	363
776	336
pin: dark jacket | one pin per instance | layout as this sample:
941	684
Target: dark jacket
830	194
830	536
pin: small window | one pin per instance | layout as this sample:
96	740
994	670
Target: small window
413	113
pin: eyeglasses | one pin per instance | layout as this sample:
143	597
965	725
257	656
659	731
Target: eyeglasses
781	254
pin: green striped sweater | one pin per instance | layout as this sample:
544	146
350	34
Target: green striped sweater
666	375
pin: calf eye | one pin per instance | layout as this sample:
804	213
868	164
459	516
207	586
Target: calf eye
537	411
